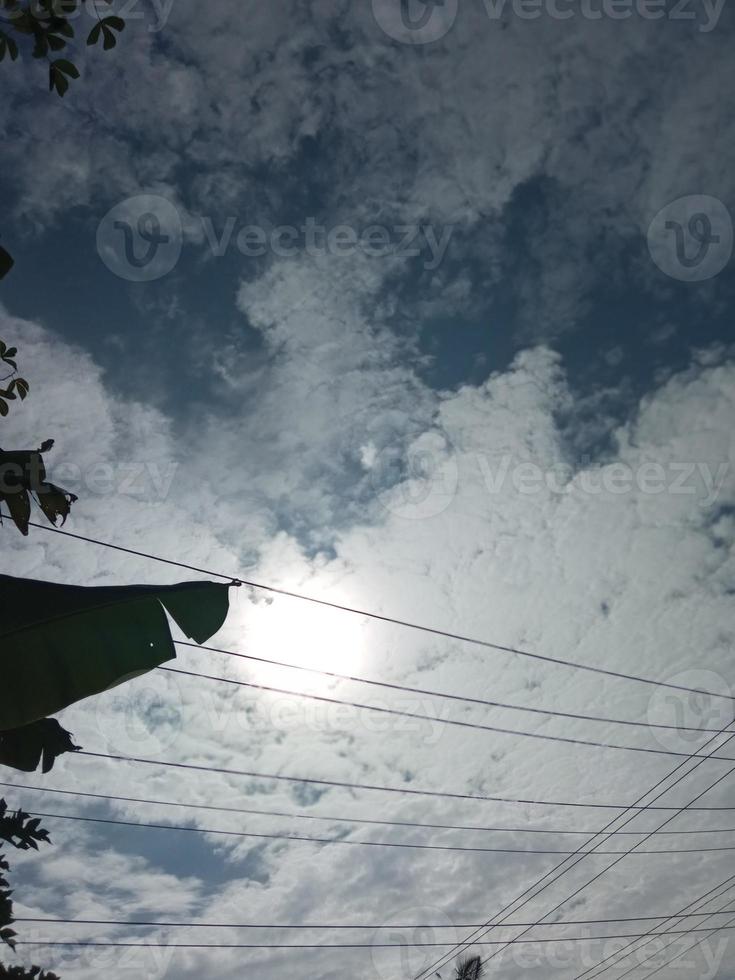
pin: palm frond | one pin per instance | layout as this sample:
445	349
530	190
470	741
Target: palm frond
470	968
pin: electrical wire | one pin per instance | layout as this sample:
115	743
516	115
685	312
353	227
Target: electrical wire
400	945
323	699
403	790
440	694
351	843
391	620
546	880
356	820
615	958
340	926
631	850
727	925
410	625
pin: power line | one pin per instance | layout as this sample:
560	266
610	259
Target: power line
440	694
547	879
542	736
260	586
403	790
405	624
351	843
670	932
614	959
145	924
330	818
401	945
727	925
635	846
678	811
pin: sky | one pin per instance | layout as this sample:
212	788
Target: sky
420	308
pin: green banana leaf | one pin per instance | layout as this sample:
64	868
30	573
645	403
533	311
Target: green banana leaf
62	643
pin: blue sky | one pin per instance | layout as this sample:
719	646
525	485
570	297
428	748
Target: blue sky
493	393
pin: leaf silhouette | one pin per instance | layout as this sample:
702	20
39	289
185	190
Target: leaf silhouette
470	969
58	72
22	387
41	742
23	473
19	505
55	502
62	643
6	262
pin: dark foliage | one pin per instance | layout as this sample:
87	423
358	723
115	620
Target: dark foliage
470	969
20	831
19	973
39	743
43	28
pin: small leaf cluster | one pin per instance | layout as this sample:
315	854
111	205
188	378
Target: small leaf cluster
17	829
46	27
105	29
17	387
25	480
470	968
7	935
18	973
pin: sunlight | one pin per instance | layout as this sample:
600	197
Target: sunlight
304	634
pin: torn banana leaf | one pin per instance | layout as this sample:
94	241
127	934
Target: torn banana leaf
62	643
40	742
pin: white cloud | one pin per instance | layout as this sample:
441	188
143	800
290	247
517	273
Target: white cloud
594	110
464	510
633	581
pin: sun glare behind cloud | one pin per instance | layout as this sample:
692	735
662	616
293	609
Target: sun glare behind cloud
293	631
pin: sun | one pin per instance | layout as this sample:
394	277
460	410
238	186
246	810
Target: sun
293	631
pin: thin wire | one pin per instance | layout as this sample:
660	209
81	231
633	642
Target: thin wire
339	926
442	721
633	848
546	880
401	945
671	932
387	619
378	616
359	820
618	955
728	925
440	694
350	843
404	790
